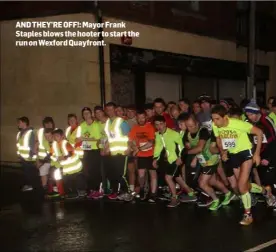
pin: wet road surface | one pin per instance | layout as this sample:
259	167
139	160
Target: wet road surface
35	225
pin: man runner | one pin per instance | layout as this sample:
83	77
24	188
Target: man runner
232	135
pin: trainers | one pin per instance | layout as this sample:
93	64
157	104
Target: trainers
91	194
228	198
113	196
215	205
174	203
206	203
121	196
52	195
82	193
72	195
152	199
97	195
128	197
270	199
27	188
186	198
247	219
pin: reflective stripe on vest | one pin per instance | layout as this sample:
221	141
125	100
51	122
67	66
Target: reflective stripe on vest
79	150
23	148
42	152
118	143
72	164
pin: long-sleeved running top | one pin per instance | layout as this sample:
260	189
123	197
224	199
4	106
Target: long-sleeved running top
171	141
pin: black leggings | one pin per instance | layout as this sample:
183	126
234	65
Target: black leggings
92	169
115	170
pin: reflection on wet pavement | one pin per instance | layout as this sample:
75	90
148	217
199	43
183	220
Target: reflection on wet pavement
114	226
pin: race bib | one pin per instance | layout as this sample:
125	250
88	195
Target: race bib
85	145
264	139
201	159
208	125
228	143
142	144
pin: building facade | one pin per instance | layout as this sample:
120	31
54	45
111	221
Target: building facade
40	81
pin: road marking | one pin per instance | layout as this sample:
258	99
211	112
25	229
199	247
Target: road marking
262	246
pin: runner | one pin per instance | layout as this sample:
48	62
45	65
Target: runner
171	142
267	166
141	141
198	140
233	137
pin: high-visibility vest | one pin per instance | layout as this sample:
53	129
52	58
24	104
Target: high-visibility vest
71	137
118	143
70	165
44	146
23	146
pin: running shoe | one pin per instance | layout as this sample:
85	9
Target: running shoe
113	196
215	205
152	199
82	193
247	219
228	198
125	197
270	199
184	198
91	194
173	203
27	188
72	195
97	195
205	203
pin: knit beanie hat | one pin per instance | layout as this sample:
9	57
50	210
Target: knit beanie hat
252	107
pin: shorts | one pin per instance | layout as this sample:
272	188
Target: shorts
209	170
145	163
235	161
172	169
44	169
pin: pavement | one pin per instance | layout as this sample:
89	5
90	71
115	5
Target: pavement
28	223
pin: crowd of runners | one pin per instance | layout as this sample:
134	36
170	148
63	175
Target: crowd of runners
206	152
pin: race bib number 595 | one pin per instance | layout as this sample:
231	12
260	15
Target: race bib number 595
228	143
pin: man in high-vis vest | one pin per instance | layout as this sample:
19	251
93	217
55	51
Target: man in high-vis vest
71	134
88	134
26	152
43	146
44	158
69	166
117	130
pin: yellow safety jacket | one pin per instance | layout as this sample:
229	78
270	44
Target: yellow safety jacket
44	146
118	143
72	164
23	146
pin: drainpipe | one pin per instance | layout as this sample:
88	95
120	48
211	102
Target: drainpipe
99	19
251	85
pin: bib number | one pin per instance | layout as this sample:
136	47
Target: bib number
201	159
228	143
85	145
264	139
